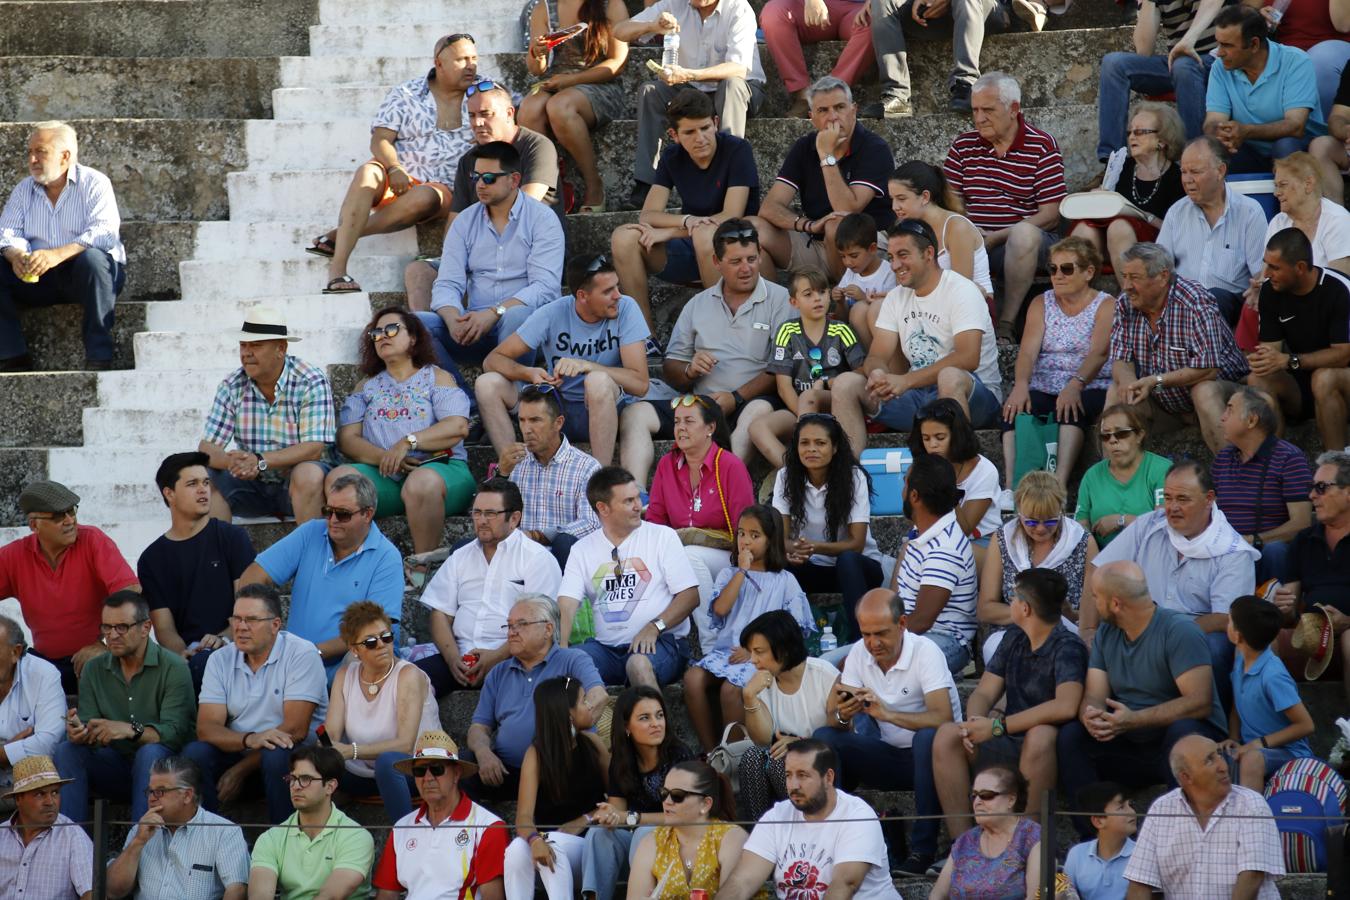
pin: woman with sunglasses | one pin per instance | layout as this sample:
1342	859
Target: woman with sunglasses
1061	368
563	779
700	489
643	750
825	499
941	428
378	706
1127	481
403	427
1000	858
696	848
1041	536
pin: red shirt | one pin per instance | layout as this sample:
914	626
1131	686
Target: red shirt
673	502
433	845
1306	23
63	606
1001	191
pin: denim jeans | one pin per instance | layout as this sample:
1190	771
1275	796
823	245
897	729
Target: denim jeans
450	353
606	858
1274	562
953	648
92	279
865	759
1123	72
105	771
391	785
276	764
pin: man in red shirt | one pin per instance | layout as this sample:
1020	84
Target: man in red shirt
60	574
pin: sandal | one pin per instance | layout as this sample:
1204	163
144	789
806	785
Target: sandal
1003	333
592	208
322	246
345	284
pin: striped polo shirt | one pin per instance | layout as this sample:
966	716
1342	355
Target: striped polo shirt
1000	191
1176	16
942	557
1253	494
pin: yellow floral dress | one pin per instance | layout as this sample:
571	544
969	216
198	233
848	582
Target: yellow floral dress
668	867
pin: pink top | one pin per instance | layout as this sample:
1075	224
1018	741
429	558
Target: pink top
673	502
370	720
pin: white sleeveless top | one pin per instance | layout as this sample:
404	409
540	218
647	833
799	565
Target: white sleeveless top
981	266
370	720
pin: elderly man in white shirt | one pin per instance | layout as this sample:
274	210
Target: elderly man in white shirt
471	595
1207	837
32	703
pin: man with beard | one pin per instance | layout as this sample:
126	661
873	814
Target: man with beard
818	841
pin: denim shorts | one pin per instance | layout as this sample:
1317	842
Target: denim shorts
898	413
256	498
668	660
577	418
681	262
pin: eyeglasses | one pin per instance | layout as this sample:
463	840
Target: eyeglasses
435	770
1120	434
59	516
1140	132
986	796
487	84
1036	523
156	793
303	780
820	418
250	621
1066	268
1321	487
488	178
690	400
485	513
370	643
342	515
388	331
510	627
676	795
119	628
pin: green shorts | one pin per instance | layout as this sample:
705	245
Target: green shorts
459	487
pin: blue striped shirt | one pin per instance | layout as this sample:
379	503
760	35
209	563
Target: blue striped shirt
1254	495
481	268
196	861
85	213
942	557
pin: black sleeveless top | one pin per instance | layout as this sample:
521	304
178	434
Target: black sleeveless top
584	789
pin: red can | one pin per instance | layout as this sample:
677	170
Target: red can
698	894
469	659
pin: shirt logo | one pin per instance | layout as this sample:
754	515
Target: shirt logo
801	881
462	839
832	356
1288	319
411	845
779	353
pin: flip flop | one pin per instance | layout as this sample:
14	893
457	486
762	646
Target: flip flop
343	285
592	208
322	246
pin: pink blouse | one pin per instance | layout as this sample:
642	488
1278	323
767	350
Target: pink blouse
675	504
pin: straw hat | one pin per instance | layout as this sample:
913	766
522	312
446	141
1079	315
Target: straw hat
435	746
263	323
34	772
1313	635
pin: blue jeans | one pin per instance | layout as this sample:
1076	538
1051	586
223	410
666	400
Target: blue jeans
391	785
668	660
1123	72
449	353
92	279
1274	562
953	648
276	764
865	759
606	858
561	548
253	498
106	771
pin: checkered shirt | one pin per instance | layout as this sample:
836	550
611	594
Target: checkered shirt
58	864
303	411
1191	334
555	494
1182	860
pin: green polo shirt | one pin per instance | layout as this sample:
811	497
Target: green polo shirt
159	696
302	865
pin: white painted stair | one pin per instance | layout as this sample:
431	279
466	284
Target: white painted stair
299	165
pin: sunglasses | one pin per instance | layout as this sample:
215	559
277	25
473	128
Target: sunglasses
342	515
816	369
690	400
535	391
1065	268
388	331
488	178
739	235
986	796
1140	132
59	516
370	643
436	770
487	84
600	262
676	795
1036	523
1120	434
1321	487
915	229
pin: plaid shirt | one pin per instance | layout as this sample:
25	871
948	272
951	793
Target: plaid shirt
303	411
1191	334
58	864
555	494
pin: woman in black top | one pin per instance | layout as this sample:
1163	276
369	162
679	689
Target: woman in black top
563	781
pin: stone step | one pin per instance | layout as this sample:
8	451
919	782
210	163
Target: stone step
53	335
43	408
379	12
307	314
286	195
303	273
498	34
167	350
285	240
126	427
132	389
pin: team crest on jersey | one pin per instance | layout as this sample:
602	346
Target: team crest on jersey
779	353
411	845
462	839
832	356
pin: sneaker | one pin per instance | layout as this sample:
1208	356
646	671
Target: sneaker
960	101
890	108
915	865
1031	12
654	349
936	868
638	196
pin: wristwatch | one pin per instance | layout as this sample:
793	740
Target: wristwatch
411	438
1257	543
996	727
262	463
661	625
829	161
1294	362
137	730
1158	380
499	309
633	818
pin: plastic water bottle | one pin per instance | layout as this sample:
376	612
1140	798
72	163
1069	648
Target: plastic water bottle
828	642
1277	10
670	50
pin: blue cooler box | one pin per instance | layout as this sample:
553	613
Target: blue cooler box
888	467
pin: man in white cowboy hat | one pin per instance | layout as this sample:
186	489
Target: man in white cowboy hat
436	862
278	411
43	855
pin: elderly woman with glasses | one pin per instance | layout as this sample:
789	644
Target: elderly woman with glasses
1001	855
1043	537
1061	366
1128	480
403	427
378	705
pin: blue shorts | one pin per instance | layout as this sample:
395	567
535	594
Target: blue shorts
577	418
668	660
681	262
255	499
898	413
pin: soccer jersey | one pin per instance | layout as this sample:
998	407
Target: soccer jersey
806	361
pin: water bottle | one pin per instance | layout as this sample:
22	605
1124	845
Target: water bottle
828	642
1277	10
670	50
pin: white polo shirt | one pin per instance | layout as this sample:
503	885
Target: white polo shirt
439	862
814	518
942	557
479	594
921	669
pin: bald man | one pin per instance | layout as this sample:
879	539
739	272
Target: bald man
1207	837
1149	684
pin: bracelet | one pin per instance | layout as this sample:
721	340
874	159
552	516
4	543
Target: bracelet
1080	379
244	742
398	169
840	719
534	836
753	708
797	223
686	371
684	223
354	750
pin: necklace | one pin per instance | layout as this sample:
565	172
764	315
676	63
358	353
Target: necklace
1134	185
373	687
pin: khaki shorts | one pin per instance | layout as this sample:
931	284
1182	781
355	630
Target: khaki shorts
385	195
807	250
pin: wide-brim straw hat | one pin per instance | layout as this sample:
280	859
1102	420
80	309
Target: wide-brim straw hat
265	323
1314	635
435	746
34	772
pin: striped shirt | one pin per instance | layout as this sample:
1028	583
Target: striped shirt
555	492
85	213
1191	334
1001	191
1176	16
196	861
942	557
58	864
1253	494
302	411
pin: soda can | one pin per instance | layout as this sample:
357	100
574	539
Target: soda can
698	894
469	659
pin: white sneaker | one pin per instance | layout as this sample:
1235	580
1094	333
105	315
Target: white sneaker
1031	12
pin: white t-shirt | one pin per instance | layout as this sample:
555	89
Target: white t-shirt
813	528
479	595
1332	240
942	557
880	282
654	569
803	712
921	669
982	484
804	854
928	325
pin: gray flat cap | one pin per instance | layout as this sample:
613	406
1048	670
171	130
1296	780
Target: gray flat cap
47	496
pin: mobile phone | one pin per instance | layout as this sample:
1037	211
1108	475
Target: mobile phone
322	734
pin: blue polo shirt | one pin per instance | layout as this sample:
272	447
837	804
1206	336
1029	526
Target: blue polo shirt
506	702
323	588
1287	82
1095	878
1261	695
254	700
